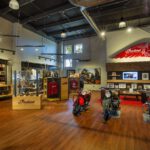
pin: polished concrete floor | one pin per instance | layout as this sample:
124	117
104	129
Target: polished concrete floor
55	128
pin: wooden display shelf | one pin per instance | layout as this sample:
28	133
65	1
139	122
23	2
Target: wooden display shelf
7	95
114	75
128	81
4	85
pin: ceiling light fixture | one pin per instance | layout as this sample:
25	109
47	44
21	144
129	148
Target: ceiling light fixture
36	49
103	33
21	49
13	4
129	29
122	23
63	35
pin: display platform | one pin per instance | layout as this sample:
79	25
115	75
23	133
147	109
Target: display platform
26	102
56	89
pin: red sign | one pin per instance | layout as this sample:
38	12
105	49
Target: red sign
140	50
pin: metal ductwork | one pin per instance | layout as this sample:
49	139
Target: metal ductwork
89	3
83	4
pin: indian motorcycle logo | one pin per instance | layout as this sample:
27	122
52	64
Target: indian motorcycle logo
140	50
22	101
144	52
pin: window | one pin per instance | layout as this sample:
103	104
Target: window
68	63
68	49
78	48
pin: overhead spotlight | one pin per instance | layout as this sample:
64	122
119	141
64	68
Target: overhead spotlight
13	4
129	29
36	49
103	33
21	49
63	35
122	23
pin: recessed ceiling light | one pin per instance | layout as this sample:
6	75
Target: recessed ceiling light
103	33
21	49
129	29
36	49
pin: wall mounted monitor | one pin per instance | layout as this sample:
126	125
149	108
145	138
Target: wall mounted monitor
130	75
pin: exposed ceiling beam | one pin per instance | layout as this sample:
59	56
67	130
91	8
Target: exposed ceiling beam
118	11
8	9
50	12
129	19
77	36
85	26
61	22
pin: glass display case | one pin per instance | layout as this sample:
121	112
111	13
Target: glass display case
29	82
28	89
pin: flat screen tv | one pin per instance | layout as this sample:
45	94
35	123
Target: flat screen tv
130	76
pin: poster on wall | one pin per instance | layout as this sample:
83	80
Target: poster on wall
90	75
134	86
145	76
146	86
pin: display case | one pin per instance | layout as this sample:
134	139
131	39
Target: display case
56	89
28	89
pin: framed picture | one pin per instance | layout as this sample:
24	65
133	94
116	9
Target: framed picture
134	86
145	76
111	85
70	73
146	86
122	85
90	75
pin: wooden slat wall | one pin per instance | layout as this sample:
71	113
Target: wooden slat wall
137	66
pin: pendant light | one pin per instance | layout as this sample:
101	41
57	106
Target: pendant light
63	34
13	4
122	23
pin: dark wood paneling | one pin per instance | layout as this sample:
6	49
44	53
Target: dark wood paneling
133	66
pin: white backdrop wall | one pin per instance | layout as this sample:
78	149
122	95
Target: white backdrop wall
26	38
94	49
120	40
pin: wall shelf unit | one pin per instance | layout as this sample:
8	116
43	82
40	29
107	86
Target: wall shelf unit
5	91
116	75
128	81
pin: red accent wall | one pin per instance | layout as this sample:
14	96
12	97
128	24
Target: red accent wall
140	50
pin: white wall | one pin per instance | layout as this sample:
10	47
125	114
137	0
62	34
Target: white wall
94	49
26	38
121	40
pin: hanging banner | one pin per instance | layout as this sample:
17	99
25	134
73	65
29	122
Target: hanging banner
140	50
